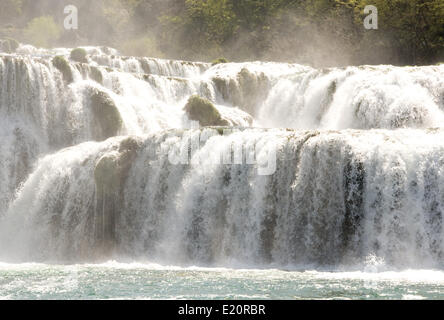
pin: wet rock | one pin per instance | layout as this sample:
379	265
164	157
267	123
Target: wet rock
246	91
110	174
63	66
203	111
79	55
9	45
96	75
107	121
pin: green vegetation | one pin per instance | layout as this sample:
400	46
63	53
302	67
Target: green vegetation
318	32
219	61
10	10
42	32
63	66
79	55
144	46
202	110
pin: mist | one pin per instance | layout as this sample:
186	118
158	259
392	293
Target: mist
320	33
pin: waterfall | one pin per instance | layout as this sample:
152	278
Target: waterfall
316	168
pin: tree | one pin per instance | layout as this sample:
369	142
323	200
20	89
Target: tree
10	10
42	31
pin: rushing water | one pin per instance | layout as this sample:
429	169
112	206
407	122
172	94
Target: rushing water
320	170
147	281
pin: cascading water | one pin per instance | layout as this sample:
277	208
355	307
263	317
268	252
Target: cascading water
354	160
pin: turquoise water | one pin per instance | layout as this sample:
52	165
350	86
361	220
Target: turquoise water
147	281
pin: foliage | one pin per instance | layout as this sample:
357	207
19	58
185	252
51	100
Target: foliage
319	32
10	10
143	46
42	31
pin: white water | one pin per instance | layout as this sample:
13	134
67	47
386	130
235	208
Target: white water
337	197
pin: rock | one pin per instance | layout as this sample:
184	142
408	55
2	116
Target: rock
9	45
107	120
128	150
327	100
63	66
145	65
96	75
247	92
79	55
254	89
106	173
110	174
202	110
106	177
229	90
106	50
111	171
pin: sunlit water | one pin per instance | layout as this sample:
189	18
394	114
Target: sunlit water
146	281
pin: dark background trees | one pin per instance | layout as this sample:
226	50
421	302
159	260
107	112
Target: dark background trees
317	32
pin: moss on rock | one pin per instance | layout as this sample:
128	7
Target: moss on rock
63	66
107	120
96	75
202	110
79	55
219	61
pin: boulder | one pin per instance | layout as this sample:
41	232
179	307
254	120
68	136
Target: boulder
96	75
110	174
107	121
247	90
63	66
203	111
79	55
